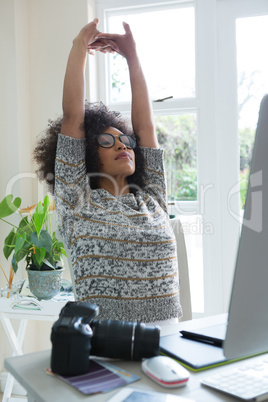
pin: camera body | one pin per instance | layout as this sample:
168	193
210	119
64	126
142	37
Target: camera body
71	339
76	335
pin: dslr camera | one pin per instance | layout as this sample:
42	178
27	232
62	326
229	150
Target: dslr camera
76	335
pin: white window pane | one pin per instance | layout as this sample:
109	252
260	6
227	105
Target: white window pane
166	44
177	136
252	73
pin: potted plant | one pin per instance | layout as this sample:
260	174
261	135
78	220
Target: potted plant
32	240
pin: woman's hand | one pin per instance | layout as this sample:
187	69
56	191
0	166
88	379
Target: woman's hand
122	44
88	36
88	33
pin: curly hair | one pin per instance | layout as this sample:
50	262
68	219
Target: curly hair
97	118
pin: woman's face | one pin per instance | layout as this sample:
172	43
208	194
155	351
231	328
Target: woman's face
117	161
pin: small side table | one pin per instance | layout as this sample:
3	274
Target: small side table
45	310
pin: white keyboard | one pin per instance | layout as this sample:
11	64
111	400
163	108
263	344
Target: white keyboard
248	381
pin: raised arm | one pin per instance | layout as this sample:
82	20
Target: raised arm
73	102
141	108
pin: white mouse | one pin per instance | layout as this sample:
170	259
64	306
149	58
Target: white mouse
165	371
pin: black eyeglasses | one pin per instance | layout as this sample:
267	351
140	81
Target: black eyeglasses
106	140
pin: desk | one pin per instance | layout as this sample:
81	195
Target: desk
49	311
29	370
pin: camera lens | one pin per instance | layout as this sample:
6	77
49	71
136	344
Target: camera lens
125	340
146	342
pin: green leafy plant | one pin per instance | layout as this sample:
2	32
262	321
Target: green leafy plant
244	177
32	239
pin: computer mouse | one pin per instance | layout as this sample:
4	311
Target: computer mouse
165	371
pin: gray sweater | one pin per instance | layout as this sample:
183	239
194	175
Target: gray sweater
123	248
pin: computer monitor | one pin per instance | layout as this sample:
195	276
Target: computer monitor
247	331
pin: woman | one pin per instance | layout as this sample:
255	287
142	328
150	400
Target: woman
110	193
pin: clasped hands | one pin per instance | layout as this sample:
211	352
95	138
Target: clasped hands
111	43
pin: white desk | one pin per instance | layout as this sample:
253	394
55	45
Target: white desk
49	311
29	370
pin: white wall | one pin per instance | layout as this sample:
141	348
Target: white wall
35	39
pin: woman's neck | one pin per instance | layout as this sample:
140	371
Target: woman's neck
115	186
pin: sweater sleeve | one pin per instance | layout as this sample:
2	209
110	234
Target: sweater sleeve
155	177
71	181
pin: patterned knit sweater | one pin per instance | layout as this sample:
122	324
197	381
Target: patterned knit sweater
123	248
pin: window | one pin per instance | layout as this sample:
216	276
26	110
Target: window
241	27
177	136
162	60
153	29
